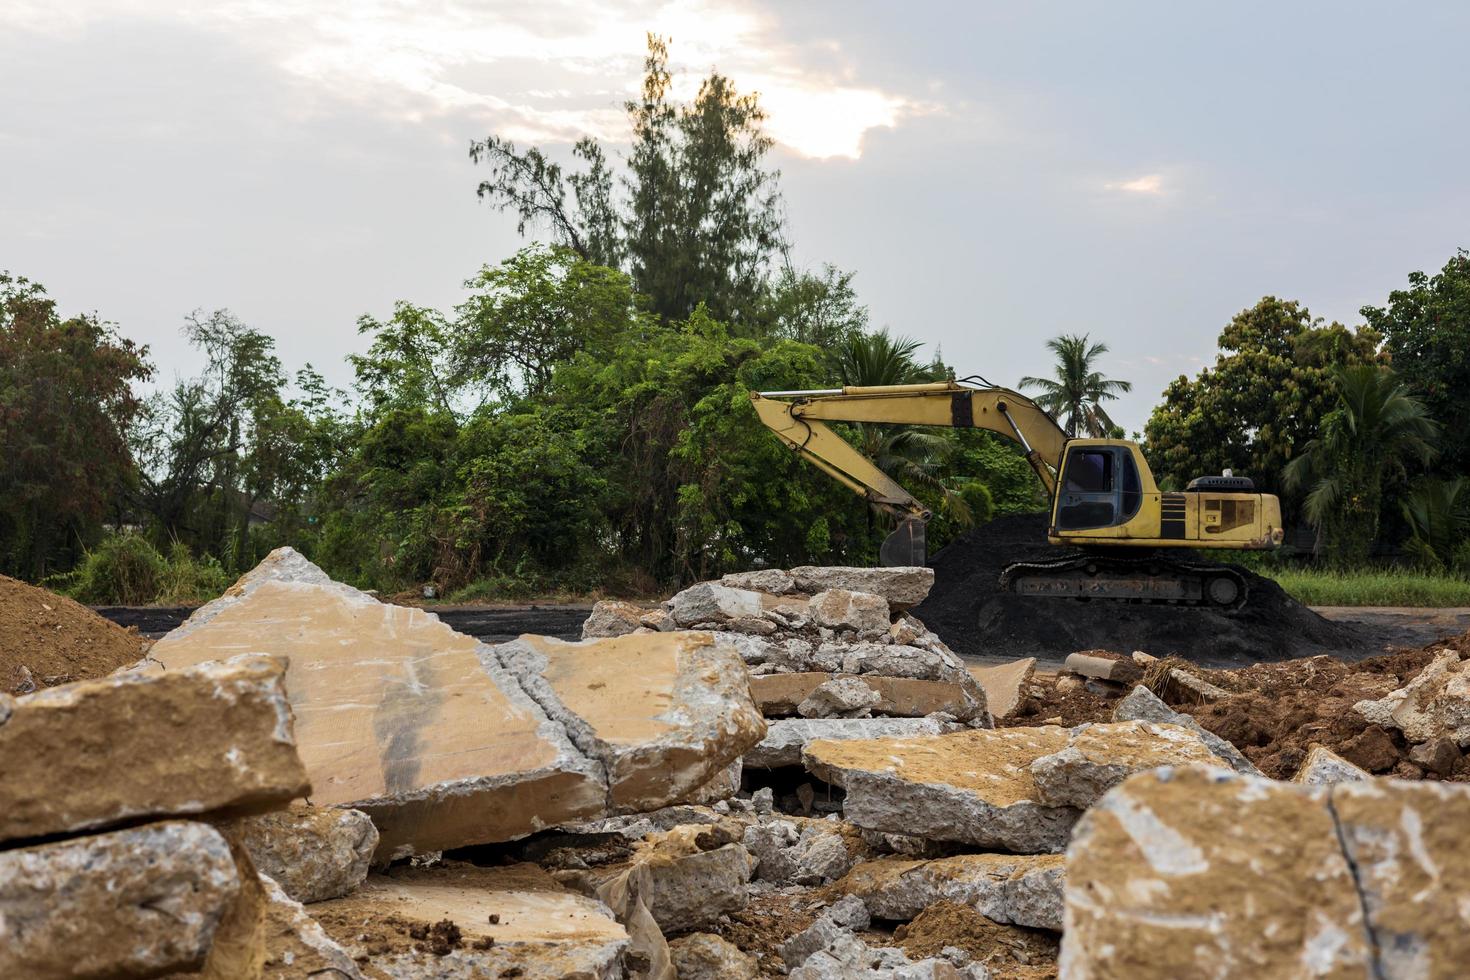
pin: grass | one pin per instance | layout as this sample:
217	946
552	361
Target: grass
1373	587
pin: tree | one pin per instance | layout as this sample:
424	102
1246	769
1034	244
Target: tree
1438	515
698	220
1077	392
1426	329
820	309
1377	428
1265	397
67	407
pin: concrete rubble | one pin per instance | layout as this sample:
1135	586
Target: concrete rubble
780	773
1195	871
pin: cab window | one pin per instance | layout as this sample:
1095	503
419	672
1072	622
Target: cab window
1100	488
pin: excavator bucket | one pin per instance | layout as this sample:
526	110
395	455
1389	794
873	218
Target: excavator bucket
905	546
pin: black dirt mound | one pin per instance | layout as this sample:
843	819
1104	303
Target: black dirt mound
970	613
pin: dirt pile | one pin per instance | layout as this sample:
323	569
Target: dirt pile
1009	952
968	610
47	639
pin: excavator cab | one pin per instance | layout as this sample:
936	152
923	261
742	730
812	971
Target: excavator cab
1099	486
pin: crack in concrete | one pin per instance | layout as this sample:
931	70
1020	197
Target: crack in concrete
1374	948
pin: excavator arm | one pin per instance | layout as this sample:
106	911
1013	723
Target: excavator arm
799	419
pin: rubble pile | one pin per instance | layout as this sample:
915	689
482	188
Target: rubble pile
780	774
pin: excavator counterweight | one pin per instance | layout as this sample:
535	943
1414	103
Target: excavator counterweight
1103	498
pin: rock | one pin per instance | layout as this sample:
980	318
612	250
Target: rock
295	944
786	737
1104	689
1143	659
702	956
772	581
1004	686
1438	755
662	714
131	903
903	588
658	619
1323	766
1104	665
312	853
973	786
1435	704
1196	689
398	715
98	753
1069	683
763	800
841	609
1143	705
710	603
1017	889
612	618
825	858
512	920
725	784
843	697
1194	872
1371	749
1098	757
842	917
894	660
779	695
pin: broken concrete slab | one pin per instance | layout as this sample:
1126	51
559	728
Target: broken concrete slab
397	715
1187	872
1322	766
703	956
513	920
842	609
902	587
295	944
1098	757
841	697
785	737
1016	889
1435	704
609	617
1141	704
772	581
312	853
216	737
662	714
130	903
1104	665
792	850
779	695
897	660
974	786
1005	685
710	603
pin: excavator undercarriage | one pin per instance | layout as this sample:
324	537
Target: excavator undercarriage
1130	578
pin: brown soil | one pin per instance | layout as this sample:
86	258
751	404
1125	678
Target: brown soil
1010	952
763	926
47	639
1278	711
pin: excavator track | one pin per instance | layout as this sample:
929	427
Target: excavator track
1128	579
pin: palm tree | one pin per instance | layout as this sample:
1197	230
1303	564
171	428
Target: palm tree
1438	514
911	456
1376	429
1078	391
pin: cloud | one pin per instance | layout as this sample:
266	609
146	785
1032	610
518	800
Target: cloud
554	70
1149	184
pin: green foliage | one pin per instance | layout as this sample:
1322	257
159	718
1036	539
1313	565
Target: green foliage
123	570
66	409
1261	403
1077	392
698	220
1438	515
1376	430
1374	587
1426	329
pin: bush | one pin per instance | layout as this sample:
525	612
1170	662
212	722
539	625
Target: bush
123	570
187	580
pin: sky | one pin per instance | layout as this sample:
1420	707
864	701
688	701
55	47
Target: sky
994	173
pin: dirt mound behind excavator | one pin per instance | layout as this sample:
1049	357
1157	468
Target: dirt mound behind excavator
968	609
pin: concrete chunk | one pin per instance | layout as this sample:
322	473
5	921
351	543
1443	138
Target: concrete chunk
511	921
702	956
842	609
779	695
1005	685
1098	757
1323	766
1017	889
663	714
772	581
396	714
131	903
1104	665
610	617
312	853
1435	704
844	697
902	587
786	737
1141	704
975	786
97	753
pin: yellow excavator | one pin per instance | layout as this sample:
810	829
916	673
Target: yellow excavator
1104	500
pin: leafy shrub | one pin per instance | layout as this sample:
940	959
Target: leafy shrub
123	570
